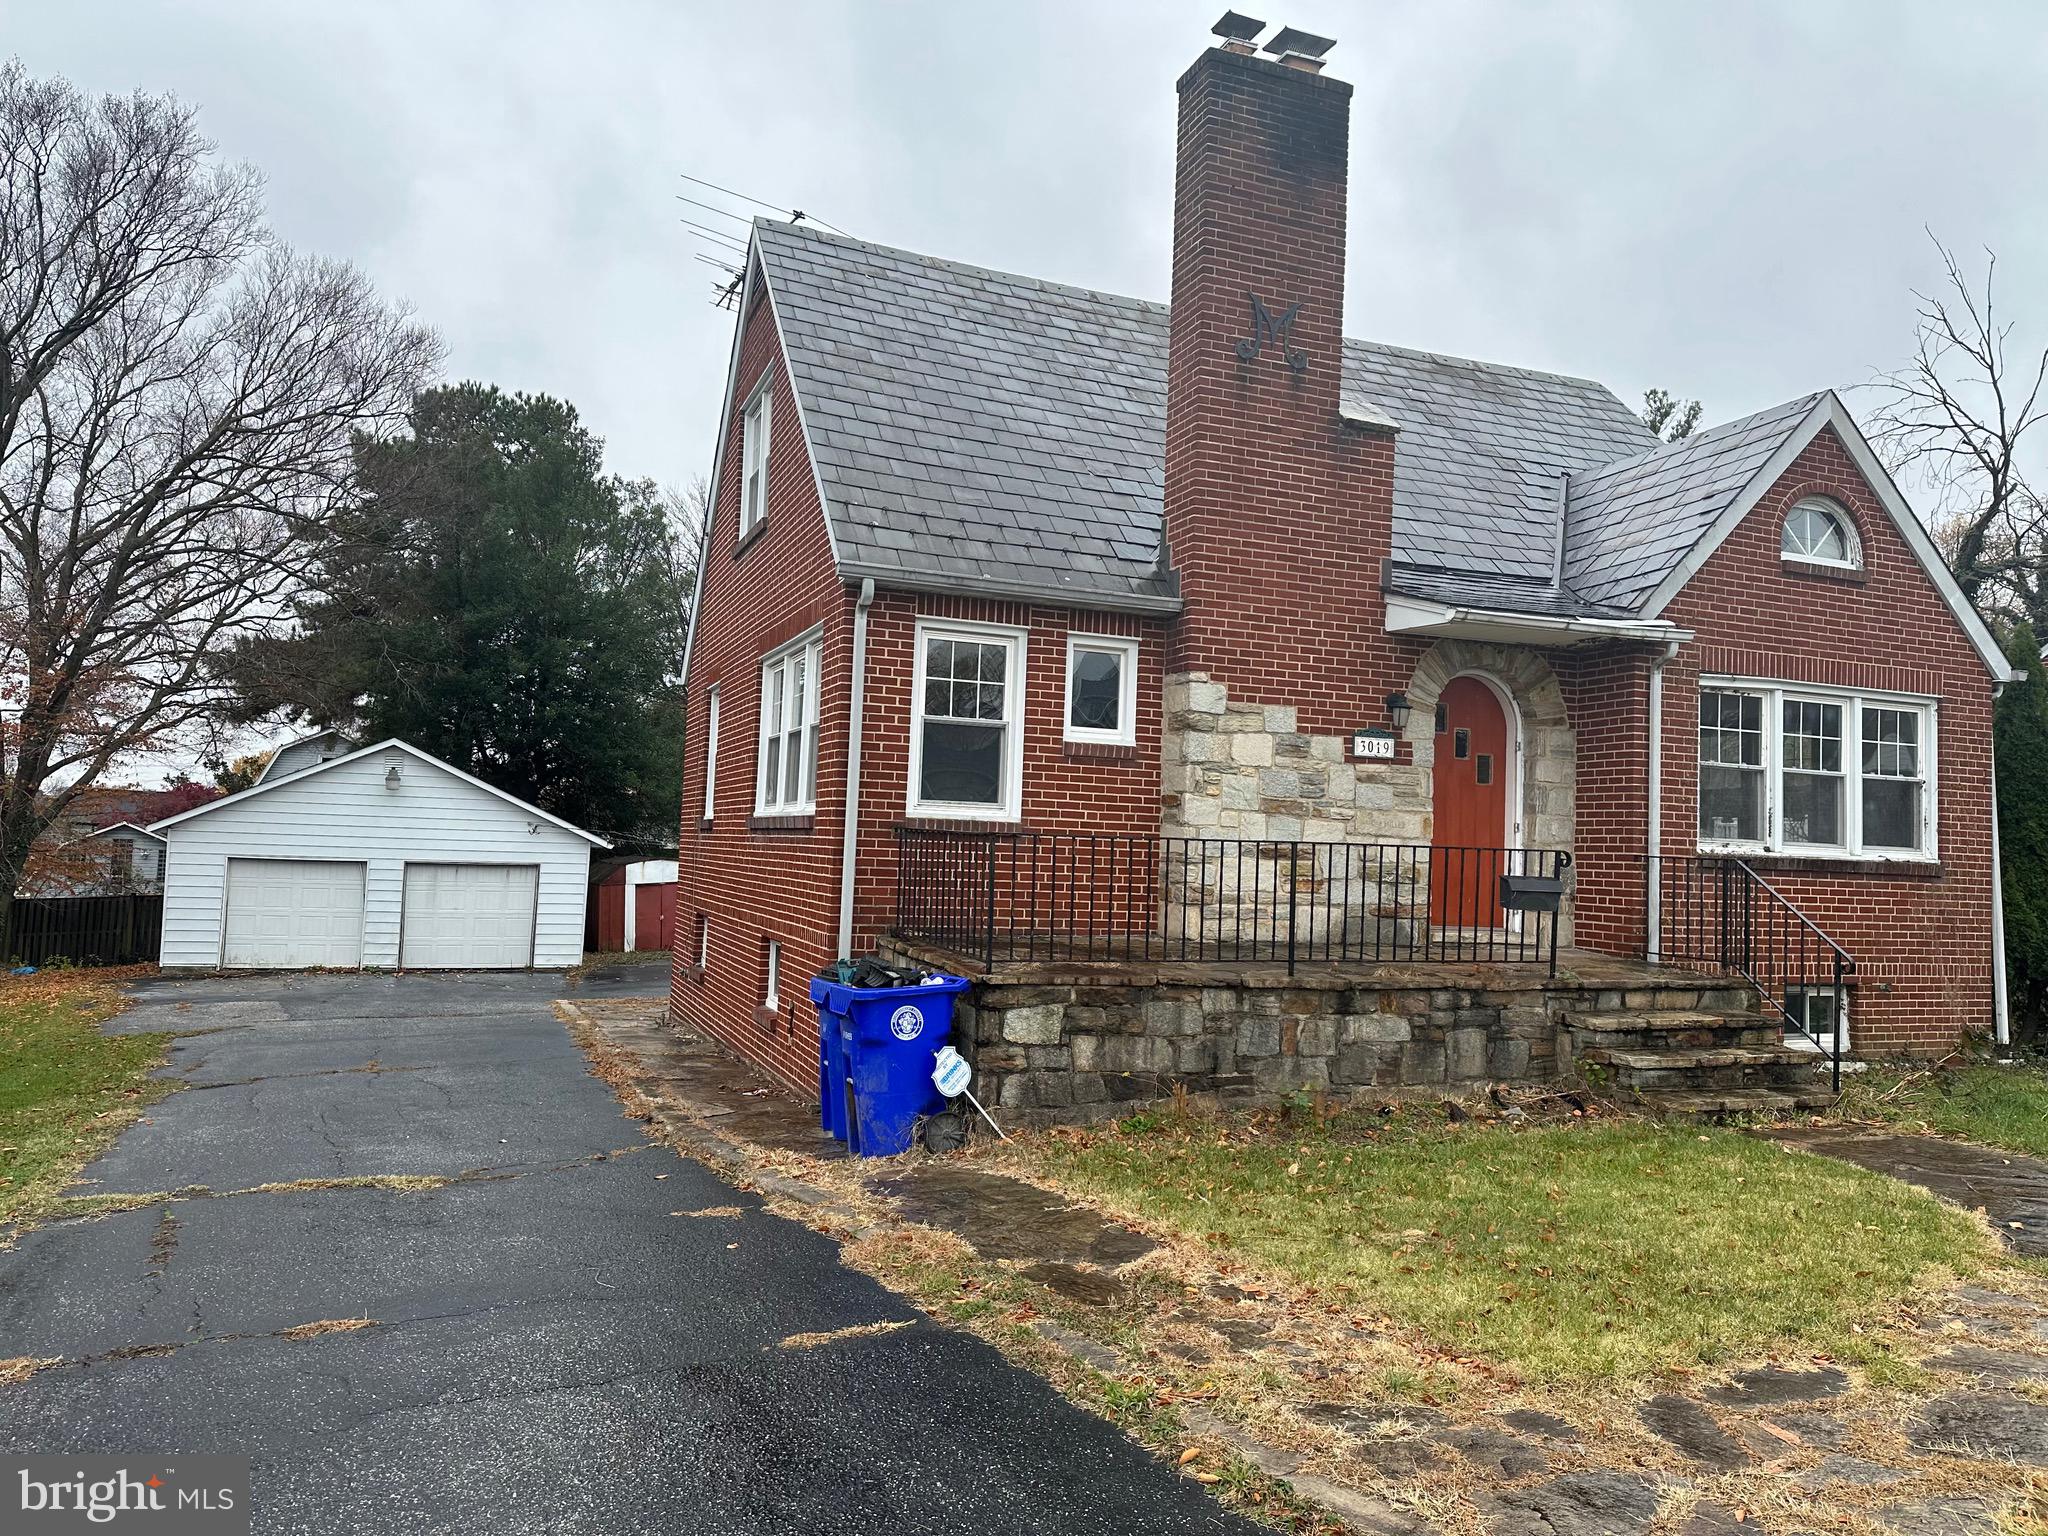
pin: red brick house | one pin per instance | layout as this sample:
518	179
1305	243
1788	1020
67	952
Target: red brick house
1194	674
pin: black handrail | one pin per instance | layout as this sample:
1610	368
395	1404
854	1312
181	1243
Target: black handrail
1717	913
1032	896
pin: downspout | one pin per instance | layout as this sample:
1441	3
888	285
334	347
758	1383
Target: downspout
1653	833
2001	1006
855	710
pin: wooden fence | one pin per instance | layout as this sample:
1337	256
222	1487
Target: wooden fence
86	930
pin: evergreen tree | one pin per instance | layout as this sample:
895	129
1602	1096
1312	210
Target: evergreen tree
495	598
2021	745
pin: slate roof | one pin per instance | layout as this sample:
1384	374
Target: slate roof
983	430
1628	524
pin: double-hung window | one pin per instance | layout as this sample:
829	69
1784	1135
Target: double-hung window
710	753
1791	768
754	461
967	730
786	779
1102	690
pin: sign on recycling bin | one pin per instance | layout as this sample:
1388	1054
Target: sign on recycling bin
951	1074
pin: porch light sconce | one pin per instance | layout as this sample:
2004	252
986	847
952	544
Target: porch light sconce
1398	711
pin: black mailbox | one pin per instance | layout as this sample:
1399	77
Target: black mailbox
1531	893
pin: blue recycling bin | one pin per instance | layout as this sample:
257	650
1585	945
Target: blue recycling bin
834	1032
892	1035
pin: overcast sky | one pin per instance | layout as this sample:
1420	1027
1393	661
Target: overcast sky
1725	199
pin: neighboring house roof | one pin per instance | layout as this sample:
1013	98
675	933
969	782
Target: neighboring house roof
982	431
392	744
124	826
303	752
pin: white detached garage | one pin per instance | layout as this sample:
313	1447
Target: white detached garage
385	857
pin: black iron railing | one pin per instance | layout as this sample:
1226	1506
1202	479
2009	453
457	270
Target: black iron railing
1717	914
1038	896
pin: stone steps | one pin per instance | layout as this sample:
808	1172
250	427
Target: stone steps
1681	1070
1693	1050
1675	1028
1726	1104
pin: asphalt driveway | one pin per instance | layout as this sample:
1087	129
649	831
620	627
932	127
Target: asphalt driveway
557	1344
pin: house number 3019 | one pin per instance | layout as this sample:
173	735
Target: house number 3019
1369	745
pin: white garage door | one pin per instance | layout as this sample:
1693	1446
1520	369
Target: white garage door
474	916
287	913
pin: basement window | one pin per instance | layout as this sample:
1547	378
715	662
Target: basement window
1102	690
967	726
771	980
1819	772
703	942
1811	1011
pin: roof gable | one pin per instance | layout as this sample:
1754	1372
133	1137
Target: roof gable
1828	413
390	744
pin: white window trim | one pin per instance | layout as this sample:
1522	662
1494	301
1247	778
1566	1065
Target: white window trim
1774	692
1126	732
809	646
711	752
704	942
756	410
1851	540
1011	808
1799	1040
771	989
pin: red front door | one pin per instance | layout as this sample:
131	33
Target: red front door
1471	799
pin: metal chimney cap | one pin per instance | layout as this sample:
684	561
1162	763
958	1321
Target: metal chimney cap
1238	29
1292	40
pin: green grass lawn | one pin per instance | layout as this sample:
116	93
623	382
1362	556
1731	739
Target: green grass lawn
65	1088
1574	1252
1998	1106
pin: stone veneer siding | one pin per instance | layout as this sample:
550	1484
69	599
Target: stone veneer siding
1244	770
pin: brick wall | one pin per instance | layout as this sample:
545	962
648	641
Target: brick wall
778	878
1278	514
1921	935
755	883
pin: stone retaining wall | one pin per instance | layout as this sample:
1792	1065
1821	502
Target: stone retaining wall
1051	1046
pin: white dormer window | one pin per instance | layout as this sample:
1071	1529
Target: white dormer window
754	461
1819	532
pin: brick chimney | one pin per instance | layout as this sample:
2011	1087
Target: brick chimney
1278	515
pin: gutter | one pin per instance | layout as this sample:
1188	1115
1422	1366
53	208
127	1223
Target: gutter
1653	833
1019	591
855	713
1423	616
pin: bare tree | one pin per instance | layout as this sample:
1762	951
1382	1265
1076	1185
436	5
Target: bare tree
1958	419
178	394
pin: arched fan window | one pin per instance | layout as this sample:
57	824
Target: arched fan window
1819	532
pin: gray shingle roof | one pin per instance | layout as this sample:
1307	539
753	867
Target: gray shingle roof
1628	524
982	429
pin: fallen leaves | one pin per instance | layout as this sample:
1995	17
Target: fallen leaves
326	1326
